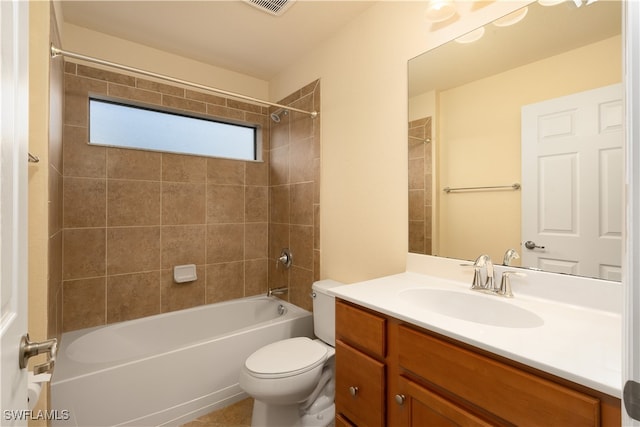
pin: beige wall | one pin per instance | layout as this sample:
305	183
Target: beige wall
364	130
480	143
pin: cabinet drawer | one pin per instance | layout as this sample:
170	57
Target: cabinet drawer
490	384
361	329
360	389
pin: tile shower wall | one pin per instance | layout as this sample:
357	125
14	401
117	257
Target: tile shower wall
129	215
295	196
420	186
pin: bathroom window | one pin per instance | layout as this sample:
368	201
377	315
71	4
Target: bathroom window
121	125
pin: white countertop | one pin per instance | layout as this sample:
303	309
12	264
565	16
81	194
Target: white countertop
580	343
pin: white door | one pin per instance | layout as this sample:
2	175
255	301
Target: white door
572	183
631	280
14	93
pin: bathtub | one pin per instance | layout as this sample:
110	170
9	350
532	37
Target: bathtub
170	368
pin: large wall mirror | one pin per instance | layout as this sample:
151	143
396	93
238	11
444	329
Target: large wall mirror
516	141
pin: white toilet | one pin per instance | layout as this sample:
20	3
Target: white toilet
292	381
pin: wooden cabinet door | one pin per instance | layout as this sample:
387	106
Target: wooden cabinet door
422	407
360	388
510	393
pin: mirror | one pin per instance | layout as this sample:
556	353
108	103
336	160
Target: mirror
484	120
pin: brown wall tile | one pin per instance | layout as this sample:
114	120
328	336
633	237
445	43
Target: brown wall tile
123	163
256	206
302	203
183	244
79	158
183	203
225	203
182	168
132	249
134	94
256	240
159	87
225	171
84	303
133	203
255	276
279	204
84	202
178	296
225	243
301	161
84	252
225	281
131	296
76	105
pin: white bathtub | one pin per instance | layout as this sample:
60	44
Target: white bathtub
170	368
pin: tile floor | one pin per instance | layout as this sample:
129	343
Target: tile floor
236	415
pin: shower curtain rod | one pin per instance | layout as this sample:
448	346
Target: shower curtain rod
59	52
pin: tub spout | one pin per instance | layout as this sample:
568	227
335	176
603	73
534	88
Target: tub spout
277	291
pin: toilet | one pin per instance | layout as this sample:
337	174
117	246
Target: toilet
292	381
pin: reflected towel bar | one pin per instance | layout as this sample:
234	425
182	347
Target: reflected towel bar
515	186
425	140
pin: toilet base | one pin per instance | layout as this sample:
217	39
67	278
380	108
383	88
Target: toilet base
275	415
289	416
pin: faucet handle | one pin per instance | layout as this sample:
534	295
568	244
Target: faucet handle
505	283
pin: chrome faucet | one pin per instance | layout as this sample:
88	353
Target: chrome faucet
483	261
509	256
277	291
285	258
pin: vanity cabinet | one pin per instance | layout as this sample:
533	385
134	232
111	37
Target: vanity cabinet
360	367
419	378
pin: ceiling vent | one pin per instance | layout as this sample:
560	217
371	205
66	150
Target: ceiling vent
272	7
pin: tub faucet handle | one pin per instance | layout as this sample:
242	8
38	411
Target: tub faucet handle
286	258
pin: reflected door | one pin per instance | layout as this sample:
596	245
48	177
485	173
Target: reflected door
572	181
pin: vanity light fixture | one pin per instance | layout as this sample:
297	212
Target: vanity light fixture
550	2
512	18
471	37
440	10
578	3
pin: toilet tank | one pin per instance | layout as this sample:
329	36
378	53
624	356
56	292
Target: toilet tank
324	311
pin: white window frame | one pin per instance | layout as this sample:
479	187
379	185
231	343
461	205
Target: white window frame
174	143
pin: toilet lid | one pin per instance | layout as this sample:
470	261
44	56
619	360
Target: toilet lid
287	357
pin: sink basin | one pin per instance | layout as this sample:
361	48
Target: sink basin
472	307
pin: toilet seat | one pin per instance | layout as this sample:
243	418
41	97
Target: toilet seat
286	358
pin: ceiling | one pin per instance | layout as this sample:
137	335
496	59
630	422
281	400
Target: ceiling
230	34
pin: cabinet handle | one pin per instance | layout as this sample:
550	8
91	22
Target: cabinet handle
400	399
353	391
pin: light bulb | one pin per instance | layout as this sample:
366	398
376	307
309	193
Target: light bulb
440	10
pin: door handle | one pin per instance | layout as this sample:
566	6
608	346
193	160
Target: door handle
532	245
30	348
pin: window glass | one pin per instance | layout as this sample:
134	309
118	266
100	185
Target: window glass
118	125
